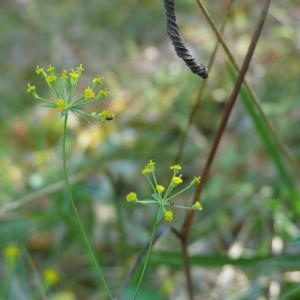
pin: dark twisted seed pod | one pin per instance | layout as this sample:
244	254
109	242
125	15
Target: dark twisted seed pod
181	50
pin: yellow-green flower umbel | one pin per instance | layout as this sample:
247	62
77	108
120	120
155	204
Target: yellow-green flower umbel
64	88
162	196
61	105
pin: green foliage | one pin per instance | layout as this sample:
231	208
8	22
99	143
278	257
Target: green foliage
251	201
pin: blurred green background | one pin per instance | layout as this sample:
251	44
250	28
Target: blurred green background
250	202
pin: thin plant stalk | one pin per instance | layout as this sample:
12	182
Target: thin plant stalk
220	131
153	234
8	280
87	243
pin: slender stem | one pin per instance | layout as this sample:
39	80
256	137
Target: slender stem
88	246
154	229
187	267
220	132
40	291
150	182
180	192
11	265
196	105
181	206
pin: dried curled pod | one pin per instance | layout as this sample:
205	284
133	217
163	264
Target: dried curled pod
181	50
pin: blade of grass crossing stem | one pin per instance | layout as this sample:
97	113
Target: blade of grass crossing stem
268	141
174	259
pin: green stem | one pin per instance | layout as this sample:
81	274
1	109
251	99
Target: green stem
76	213
154	229
178	193
11	265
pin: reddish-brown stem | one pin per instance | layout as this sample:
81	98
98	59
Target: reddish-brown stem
187	268
221	129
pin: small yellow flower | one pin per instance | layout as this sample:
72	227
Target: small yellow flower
175	168
160	188
51	79
151	164
51	69
39	70
97	80
12	252
30	88
61	105
104	93
64	75
197	180
89	94
131	197
147	170
107	116
74	75
168	216
197	205
177	180
51	276
80	68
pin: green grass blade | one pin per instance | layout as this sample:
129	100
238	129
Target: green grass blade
268	140
284	262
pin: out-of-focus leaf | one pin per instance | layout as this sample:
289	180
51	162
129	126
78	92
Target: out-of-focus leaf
296	241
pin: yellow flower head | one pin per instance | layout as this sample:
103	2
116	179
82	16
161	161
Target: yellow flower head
51	79
12	252
131	197
39	70
168	216
61	105
51	69
176	180
151	164
160	188
89	94
30	88
64	75
80	68
104	93
97	80
51	277
175	168
196	180
147	170
197	205
74	75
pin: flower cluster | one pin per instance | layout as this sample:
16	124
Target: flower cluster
51	277
12	253
164	196
64	86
